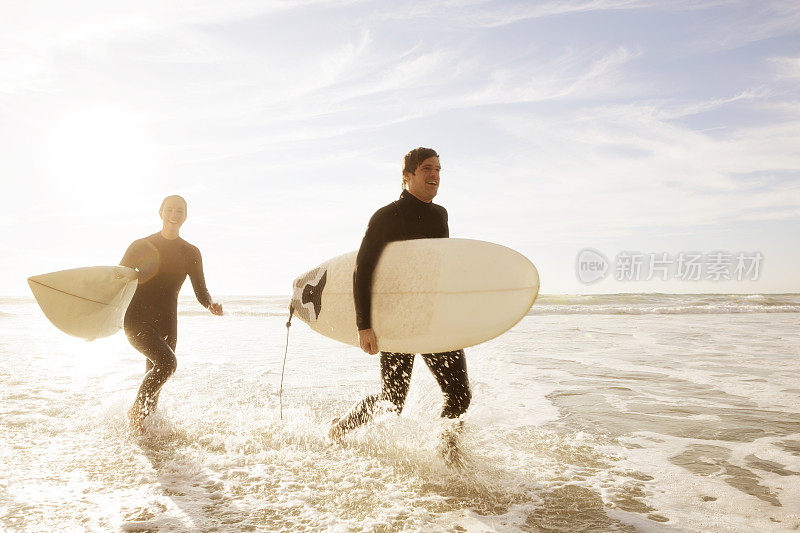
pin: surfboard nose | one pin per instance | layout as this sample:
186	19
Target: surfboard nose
88	302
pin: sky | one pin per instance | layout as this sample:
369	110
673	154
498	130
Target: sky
628	127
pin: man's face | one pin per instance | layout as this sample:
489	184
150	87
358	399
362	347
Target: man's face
424	182
173	213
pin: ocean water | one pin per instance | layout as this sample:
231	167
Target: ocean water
594	413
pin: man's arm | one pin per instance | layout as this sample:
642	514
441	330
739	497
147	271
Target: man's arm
199	283
445	224
134	256
380	231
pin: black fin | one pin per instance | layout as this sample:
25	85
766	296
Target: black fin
313	293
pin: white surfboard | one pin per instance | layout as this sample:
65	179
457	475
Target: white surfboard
88	302
428	295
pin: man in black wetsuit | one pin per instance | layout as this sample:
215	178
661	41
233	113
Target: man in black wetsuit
163	261
413	216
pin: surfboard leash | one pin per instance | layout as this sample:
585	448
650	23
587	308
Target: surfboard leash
285	353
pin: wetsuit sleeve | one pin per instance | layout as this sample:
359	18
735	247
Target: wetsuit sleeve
445	223
198	278
379	233
133	255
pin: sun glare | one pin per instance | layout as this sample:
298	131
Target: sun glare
92	148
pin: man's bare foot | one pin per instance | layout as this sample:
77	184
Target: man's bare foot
336	432
136	418
449	445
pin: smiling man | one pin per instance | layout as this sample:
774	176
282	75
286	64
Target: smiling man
162	260
413	216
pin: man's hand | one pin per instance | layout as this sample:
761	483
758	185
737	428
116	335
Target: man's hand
368	341
215	308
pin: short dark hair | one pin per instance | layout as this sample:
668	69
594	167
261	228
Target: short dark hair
414	159
170	197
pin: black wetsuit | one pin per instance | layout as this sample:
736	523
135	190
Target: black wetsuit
406	218
151	322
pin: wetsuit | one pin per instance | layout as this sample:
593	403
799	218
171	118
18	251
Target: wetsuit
406	218
151	322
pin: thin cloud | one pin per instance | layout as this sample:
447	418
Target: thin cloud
785	67
750	22
42	31
43	24
364	104
670	112
491	14
681	178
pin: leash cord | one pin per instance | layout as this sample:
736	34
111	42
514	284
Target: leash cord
285	353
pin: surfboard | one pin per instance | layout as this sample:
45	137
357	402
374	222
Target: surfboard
428	295
88	302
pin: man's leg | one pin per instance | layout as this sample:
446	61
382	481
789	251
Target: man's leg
162	365
450	371
396	371
172	341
